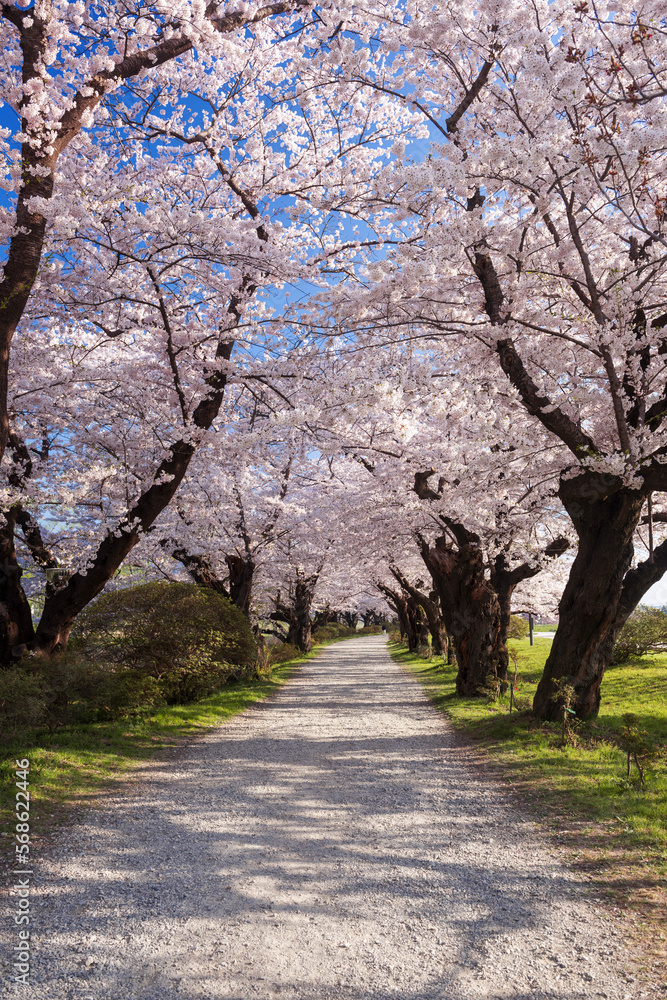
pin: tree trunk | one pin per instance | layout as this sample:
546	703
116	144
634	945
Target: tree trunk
16	627
370	617
470	609
302	604
407	622
241	572
401	610
431	608
424	630
414	618
476	611
595	604
437	629
296	612
325	617
198	567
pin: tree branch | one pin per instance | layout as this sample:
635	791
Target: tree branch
470	96
549	415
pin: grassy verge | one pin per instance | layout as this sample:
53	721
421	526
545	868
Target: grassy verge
71	767
610	827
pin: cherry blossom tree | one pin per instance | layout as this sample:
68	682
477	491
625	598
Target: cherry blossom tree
73	72
191	199
316	561
429	603
535	249
483	523
227	519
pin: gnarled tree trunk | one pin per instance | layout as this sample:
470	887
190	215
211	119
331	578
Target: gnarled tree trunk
371	617
475	609
296	611
407	621
302	603
325	616
601	592
430	605
16	628
470	610
241	573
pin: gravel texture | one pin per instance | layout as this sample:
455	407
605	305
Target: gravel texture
334	842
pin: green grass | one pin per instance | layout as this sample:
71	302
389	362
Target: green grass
586	780
72	766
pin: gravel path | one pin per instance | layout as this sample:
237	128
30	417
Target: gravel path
334	842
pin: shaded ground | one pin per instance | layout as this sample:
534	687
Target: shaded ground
335	842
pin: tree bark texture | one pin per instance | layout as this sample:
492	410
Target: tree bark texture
601	591
470	609
199	568
371	617
475	609
407	622
241	573
296	612
16	627
431	608
16	624
302	603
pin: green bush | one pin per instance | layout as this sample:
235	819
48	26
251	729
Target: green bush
326	633
66	689
283	652
189	639
22	703
333	630
518	628
644	631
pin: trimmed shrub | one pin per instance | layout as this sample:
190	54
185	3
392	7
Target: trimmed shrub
22	704
55	692
189	639
518	628
326	633
644	631
283	652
